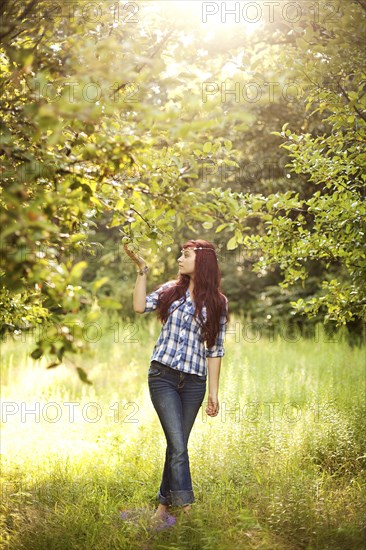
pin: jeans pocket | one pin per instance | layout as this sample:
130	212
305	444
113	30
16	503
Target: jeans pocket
154	371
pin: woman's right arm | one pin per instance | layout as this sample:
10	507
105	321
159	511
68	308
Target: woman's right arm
139	293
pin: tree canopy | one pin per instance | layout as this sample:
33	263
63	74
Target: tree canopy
148	122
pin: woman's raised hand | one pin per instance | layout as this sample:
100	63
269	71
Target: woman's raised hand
134	257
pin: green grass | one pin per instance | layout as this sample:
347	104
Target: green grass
281	467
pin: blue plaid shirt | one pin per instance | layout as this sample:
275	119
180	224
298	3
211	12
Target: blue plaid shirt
179	344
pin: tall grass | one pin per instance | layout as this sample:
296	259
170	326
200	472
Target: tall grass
281	467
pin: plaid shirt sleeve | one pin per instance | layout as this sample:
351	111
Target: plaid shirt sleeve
218	350
152	298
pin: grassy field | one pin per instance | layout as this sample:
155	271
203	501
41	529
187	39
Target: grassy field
281	467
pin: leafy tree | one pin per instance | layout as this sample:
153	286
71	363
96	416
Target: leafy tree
78	148
97	149
329	226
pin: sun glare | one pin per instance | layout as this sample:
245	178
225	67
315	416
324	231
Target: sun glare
221	23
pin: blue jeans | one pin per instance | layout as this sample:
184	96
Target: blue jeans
177	397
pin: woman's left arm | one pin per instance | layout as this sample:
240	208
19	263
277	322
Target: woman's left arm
214	365
214	355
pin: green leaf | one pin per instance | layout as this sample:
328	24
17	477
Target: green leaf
239	236
232	243
53	365
76	237
37	353
83	376
256	205
99	283
78	270
221	227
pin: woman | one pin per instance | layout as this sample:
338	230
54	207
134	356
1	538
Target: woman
194	313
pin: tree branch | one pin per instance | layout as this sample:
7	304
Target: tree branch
344	93
20	18
141	216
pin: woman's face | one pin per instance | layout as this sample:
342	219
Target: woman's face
186	262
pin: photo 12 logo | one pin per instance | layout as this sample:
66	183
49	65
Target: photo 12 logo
70	411
91	92
270	11
87	13
251	92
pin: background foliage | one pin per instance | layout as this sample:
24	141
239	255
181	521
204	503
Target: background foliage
133	122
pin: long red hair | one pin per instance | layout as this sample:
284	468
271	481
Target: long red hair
207	291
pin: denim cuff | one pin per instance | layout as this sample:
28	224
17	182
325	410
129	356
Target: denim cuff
164	500
181	498
176	498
